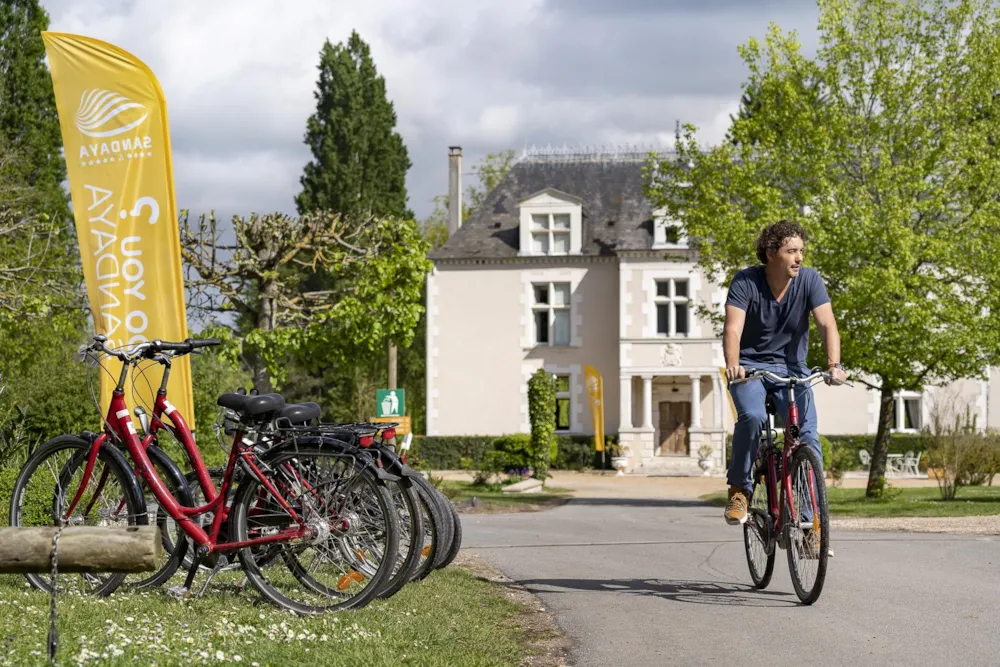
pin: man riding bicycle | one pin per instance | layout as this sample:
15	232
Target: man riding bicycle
767	328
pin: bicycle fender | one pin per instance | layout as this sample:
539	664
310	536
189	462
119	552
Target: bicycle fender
177	476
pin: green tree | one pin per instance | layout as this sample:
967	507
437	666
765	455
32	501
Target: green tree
542	413
29	124
359	161
888	160
377	266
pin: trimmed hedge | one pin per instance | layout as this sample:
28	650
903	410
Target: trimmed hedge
576	452
573	452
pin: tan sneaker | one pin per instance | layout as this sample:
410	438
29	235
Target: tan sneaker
736	508
812	545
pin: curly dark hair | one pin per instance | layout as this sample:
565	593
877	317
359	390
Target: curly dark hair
774	236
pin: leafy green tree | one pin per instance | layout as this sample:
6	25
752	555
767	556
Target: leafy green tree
359	161
29	123
888	158
542	413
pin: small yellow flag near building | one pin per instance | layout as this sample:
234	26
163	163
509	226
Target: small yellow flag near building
595	390
113	118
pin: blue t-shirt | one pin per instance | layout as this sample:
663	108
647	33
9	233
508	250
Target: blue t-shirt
776	332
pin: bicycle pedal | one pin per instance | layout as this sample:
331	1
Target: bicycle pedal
178	592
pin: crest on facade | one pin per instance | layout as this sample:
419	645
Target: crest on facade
671	354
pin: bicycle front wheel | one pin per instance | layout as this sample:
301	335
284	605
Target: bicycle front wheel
809	526
49	482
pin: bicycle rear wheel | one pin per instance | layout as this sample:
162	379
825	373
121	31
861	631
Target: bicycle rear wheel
456	532
809	529
411	537
446	527
758	532
356	540
172	536
433	542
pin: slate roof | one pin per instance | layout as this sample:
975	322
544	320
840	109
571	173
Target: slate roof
616	214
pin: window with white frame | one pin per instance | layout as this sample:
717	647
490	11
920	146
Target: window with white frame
551	312
550	233
908	412
667	233
563	403
673	307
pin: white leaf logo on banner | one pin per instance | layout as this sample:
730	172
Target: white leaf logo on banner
100	110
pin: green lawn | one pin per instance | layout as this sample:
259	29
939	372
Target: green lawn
490	495
451	618
923	501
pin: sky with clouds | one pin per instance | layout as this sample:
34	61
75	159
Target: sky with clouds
488	75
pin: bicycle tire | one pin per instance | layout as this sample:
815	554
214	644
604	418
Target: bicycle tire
175	542
805	455
114	461
445	526
247	494
758	537
456	533
410	550
433	534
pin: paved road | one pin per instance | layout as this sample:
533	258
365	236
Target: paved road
665	582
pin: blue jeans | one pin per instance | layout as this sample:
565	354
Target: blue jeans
752	418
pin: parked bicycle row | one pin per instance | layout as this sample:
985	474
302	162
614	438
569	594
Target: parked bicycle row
315	516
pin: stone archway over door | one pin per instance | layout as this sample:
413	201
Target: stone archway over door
674	420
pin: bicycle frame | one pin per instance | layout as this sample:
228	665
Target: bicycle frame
120	426
792	443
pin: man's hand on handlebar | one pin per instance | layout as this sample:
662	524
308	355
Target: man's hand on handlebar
735	373
837	375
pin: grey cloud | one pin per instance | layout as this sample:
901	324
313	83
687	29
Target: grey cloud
661	53
568	71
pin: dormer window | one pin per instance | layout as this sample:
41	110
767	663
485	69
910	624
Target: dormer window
550	233
551	223
667	233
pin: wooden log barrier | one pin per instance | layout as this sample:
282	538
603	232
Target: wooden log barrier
81	549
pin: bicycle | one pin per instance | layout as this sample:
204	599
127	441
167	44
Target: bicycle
794	517
299	494
421	526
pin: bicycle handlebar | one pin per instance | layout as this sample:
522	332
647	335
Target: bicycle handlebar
150	348
754	374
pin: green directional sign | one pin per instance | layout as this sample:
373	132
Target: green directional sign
390	403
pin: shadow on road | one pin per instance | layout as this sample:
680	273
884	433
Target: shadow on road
695	592
640	502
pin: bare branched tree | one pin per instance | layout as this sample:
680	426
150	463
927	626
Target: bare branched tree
260	275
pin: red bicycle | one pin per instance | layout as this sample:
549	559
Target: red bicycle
302	519
788	506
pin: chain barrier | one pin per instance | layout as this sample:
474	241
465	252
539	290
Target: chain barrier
53	632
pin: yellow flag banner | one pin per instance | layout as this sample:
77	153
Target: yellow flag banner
113	118
725	383
595	390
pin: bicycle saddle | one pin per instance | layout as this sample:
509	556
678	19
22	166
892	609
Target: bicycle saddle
300	413
252	406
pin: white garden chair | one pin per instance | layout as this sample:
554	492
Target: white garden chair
866	458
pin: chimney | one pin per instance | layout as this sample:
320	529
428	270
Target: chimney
454	189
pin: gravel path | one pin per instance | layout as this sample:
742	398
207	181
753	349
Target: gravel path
966	525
